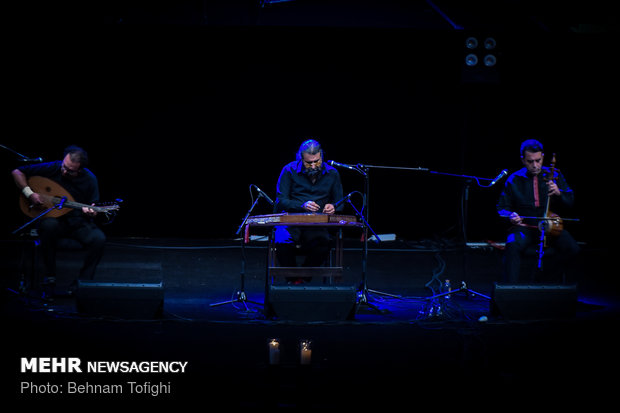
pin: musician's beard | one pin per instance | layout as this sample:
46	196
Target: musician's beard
312	173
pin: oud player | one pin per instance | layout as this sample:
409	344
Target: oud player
525	195
72	175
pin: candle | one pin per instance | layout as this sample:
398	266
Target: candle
274	351
305	354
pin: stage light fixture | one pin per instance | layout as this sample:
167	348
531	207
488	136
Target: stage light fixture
490	43
480	54
471	60
471	43
489	60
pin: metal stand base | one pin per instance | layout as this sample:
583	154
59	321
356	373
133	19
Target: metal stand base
430	308
240	298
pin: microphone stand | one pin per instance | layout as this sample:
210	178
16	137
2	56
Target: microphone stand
41	215
468	180
433	305
23	158
58	206
240	296
465	204
465	198
364	290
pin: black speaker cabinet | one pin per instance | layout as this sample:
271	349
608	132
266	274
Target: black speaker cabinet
534	301
313	303
123	300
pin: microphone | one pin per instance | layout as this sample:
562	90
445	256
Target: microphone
39	159
264	195
498	177
62	202
337	204
342	165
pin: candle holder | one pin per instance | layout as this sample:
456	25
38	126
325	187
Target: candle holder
274	351
305	352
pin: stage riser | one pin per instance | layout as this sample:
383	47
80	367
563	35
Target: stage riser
123	300
534	301
312	303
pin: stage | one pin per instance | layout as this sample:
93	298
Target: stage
400	349
185	106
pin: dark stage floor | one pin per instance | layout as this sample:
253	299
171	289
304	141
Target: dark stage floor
401	349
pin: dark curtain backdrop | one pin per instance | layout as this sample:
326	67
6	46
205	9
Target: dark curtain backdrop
180	120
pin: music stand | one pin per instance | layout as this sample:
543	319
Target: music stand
240	296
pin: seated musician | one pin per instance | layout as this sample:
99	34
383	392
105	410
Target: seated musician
81	183
306	185
523	200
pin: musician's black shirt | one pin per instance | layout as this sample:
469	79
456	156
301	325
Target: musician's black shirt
295	187
518	195
84	187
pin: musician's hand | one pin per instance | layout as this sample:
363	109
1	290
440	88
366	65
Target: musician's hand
329	209
89	211
35	200
553	189
310	206
515	219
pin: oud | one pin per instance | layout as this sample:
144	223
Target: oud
57	199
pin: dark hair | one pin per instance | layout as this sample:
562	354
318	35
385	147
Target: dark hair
77	154
531	145
310	146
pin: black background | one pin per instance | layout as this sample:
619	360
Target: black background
180	119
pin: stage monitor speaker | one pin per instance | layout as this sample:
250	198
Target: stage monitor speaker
534	301
123	300
313	303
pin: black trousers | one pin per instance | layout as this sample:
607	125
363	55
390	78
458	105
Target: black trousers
521	238
314	243
86	232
